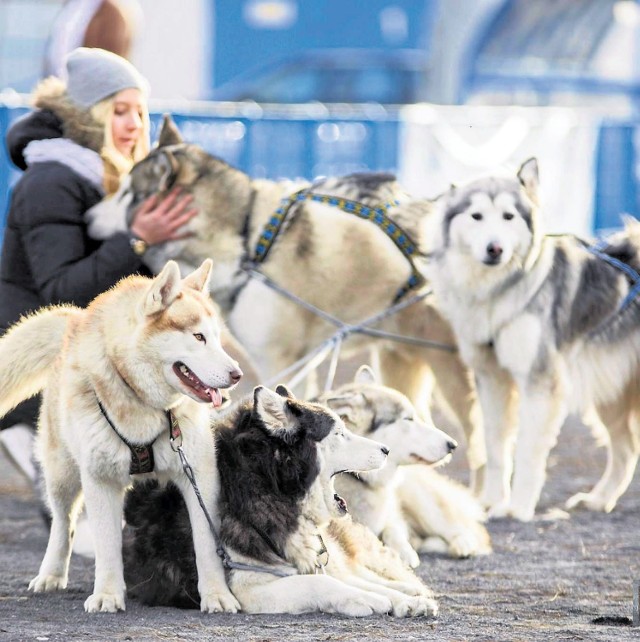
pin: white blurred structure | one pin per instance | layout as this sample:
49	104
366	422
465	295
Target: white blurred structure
174	47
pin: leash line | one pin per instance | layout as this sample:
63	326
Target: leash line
227	562
315	357
634	290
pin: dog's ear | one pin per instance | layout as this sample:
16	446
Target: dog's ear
163	290
346	405
529	178
283	391
167	168
365	376
169	132
199	279
273	410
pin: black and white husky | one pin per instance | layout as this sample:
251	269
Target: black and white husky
280	516
548	324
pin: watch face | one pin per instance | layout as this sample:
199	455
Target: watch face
139	246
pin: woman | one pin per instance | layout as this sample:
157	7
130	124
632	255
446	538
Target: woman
78	143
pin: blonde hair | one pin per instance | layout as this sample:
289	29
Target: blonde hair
116	164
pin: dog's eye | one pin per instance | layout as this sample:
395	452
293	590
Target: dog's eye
507	216
476	216
200	337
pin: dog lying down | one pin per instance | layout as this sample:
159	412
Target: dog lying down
410	506
279	513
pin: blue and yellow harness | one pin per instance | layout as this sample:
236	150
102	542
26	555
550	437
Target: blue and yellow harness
376	214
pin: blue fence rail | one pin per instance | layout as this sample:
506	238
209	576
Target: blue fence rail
314	140
283	142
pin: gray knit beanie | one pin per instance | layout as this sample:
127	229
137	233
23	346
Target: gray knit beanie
95	74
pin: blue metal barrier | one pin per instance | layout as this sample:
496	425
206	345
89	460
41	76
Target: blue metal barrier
284	142
306	142
617	189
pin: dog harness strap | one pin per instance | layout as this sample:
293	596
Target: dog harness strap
634	277
141	456
377	214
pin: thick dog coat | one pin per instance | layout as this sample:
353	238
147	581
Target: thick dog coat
546	325
410	506
279	514
112	376
338	262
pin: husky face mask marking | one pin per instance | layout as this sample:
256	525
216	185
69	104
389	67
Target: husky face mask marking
491	226
187	333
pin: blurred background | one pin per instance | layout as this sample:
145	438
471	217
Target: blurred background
436	91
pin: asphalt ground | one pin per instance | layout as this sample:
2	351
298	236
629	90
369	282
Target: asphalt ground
551	579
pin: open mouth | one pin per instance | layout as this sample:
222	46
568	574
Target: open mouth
341	504
201	390
416	459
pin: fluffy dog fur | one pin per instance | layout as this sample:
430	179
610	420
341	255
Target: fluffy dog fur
411	507
326	256
541	322
141	348
278	508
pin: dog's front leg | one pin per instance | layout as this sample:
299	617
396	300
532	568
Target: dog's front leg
104	501
395	534
496	395
543	410
215	595
311	593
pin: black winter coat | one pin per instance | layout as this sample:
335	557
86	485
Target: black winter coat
47	256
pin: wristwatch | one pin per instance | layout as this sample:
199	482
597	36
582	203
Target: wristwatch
138	246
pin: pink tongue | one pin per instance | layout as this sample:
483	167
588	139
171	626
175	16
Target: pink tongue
216	397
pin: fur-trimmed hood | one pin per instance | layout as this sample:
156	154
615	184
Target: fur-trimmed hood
77	123
55	116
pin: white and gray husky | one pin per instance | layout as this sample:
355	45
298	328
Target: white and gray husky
409	505
549	326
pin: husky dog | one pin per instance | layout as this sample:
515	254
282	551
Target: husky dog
546	324
344	265
292	548
141	356
408	505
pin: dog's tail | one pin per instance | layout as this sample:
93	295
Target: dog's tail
28	352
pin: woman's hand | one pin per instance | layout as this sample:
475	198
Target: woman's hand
157	221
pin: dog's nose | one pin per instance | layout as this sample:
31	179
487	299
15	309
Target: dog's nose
452	445
494	250
235	375
385	450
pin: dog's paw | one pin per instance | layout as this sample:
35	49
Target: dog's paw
364	604
590	502
409	557
104	603
499	510
521	513
45	583
402	606
465	545
422	606
219	602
